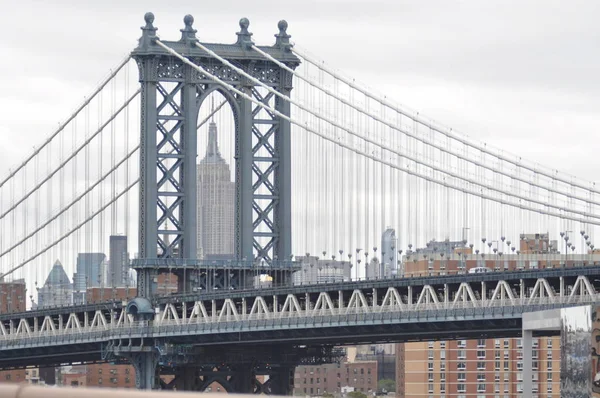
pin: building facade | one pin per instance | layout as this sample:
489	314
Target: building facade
314	270
91	269
118	265
481	368
57	290
335	378
13	299
389	253
216	202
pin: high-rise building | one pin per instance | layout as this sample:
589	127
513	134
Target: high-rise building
90	273
486	368
118	264
57	290
216	202
12	299
389	253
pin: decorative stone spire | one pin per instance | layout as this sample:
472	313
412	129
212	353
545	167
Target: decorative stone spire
188	33
282	38
244	36
148	31
212	150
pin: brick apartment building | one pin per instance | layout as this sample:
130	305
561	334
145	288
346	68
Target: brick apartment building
481	368
13	299
331	378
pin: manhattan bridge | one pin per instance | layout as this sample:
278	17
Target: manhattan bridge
321	166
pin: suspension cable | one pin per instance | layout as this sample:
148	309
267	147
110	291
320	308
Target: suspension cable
305	126
72	203
439	129
373	142
71	156
66	235
61	127
406	132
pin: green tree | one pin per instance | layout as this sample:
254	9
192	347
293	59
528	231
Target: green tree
386	385
327	395
357	394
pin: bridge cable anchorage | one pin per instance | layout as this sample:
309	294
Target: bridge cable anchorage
71	156
66	235
370	156
439	129
61	127
500	190
406	132
72	203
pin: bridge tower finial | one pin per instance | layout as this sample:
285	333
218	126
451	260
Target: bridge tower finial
282	38
148	31
244	36
188	33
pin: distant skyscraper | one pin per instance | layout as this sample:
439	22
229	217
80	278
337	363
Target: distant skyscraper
57	290
90	273
389	253
118	270
216	207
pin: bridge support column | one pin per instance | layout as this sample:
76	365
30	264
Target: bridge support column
527	338
145	364
242	380
187	379
282	382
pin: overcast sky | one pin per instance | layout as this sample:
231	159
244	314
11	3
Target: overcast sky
520	75
517	74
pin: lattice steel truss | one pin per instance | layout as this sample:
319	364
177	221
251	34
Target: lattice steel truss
172	93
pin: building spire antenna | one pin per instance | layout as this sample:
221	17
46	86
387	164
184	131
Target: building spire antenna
212	109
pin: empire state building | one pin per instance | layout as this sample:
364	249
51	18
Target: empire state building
216	195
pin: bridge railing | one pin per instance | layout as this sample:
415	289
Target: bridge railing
27	391
398	312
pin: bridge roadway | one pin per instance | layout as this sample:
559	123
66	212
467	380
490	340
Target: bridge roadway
386	310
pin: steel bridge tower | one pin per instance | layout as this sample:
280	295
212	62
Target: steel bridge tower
171	95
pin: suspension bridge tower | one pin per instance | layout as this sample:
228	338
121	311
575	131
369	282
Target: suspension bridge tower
172	93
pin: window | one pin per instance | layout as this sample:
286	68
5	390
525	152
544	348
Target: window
505	343
460	387
549	365
430	388
461	377
442	354
549	376
442	376
480	365
430	354
461	365
480	387
462	343
497	343
506	354
480	343
442	387
442	344
497	365
430	377
481	354
442	365
430	366
430	344
505	365
549	343
461	354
